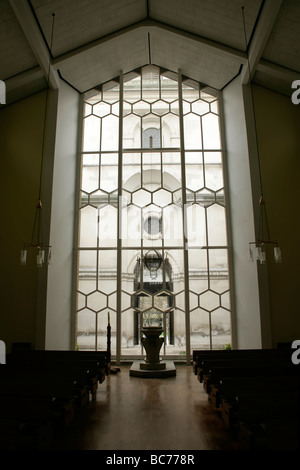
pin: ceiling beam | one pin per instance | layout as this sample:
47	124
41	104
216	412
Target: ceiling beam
150	25
277	72
24	78
260	37
35	39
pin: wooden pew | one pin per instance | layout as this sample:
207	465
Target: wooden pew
49	387
100	357
213	375
255	391
199	357
230	386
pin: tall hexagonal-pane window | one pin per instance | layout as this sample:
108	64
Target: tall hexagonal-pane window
152	235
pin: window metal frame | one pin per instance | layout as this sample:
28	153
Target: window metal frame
119	356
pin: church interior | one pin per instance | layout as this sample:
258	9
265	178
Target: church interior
126	100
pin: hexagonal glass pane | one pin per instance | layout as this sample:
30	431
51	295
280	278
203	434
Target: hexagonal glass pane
101	109
160	108
96	301
205	197
200	107
98	199
162	198
141	108
209	301
141	198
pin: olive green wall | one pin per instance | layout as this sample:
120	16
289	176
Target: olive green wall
21	131
278	131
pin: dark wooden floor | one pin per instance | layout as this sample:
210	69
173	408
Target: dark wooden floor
132	413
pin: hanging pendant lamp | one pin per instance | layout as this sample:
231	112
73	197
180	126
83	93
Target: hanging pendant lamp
257	248
37	242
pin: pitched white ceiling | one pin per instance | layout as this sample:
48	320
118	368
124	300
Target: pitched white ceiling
95	39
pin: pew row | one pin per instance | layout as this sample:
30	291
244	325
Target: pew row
255	392
42	392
